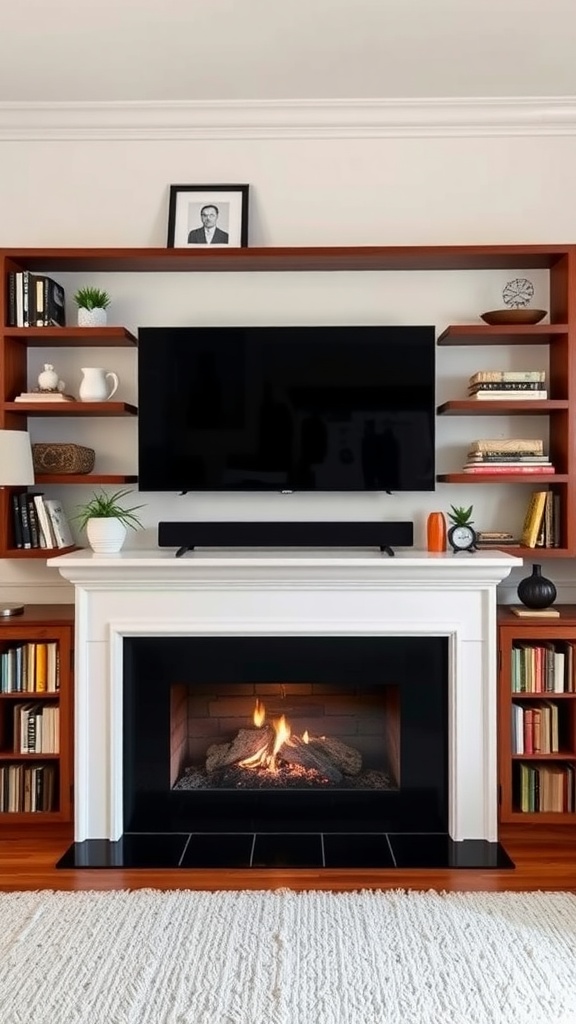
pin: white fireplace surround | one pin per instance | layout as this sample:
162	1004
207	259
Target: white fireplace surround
285	593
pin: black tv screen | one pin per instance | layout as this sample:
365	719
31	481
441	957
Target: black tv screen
286	408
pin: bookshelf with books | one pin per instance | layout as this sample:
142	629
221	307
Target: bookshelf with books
537	716
555	403
559	261
42	327
36	728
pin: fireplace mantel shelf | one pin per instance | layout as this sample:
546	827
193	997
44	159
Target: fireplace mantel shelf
411	568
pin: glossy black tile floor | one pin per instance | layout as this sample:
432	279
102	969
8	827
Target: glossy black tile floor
285	850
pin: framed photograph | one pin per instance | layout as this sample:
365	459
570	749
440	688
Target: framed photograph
215	215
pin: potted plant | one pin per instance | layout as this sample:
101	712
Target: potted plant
105	521
92	305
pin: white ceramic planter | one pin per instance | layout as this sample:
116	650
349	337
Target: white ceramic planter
105	536
92	317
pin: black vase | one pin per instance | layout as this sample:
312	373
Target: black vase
536	591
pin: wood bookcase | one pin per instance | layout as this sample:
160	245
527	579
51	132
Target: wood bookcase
41	624
513	631
559	335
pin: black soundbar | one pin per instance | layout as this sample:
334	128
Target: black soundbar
187	536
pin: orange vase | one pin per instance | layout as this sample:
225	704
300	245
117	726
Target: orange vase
436	532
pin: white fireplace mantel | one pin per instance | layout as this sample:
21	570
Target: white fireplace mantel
285	593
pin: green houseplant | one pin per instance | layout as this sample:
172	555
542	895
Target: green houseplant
105	520
92	305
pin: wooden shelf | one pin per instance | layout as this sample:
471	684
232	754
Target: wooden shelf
293	258
501	407
535	631
72	337
38	552
42	623
71	408
502	478
509	334
86	479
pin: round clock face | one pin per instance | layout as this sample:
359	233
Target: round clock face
462	538
517	293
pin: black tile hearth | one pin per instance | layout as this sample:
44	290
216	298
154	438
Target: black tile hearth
360	851
439	851
285	850
218	851
160	850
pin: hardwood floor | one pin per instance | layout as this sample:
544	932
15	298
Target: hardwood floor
545	858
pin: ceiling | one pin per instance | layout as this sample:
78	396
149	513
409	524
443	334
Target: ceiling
302	49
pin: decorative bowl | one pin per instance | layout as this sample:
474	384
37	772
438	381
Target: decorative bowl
513	316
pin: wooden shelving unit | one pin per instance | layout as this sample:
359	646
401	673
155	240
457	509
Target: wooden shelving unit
40	624
560	335
513	631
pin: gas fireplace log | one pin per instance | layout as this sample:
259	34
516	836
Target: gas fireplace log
245	744
344	757
303	754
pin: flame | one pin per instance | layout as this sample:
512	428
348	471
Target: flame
259	714
283	733
264	757
305	736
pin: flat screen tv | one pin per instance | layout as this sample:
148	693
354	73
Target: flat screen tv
286	408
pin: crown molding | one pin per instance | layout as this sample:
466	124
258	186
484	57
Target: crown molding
288	119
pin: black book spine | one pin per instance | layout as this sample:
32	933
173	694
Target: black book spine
25	521
33	521
12	299
17	521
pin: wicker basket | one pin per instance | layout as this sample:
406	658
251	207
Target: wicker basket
62	458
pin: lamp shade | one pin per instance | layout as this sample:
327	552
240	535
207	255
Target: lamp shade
16	468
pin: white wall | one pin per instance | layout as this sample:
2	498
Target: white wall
361	191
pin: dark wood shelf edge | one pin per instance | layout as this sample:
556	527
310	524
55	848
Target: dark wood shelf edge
38	553
502	478
501	334
85	478
71	408
492	407
64	337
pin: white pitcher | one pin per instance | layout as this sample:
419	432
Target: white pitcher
94	385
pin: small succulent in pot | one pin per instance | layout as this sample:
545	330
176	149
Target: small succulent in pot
91	298
92	305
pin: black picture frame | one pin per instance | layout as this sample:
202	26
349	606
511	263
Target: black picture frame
185	216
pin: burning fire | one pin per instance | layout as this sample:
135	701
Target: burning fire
264	757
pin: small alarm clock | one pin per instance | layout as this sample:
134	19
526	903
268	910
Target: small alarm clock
462	538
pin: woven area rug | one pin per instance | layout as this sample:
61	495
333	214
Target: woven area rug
182	957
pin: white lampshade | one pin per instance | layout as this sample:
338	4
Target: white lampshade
16	468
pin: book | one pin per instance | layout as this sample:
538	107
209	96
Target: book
534	613
53	309
485	458
524	396
533	518
491	376
60	525
515	444
509	468
43	396
505	385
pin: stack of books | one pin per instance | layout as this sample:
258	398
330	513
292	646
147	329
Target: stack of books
515	456
35	300
496	539
541	528
503	385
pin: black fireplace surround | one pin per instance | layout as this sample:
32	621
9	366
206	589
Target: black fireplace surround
417	667
393	686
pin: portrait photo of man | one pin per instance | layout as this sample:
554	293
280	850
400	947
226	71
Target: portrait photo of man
209	233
